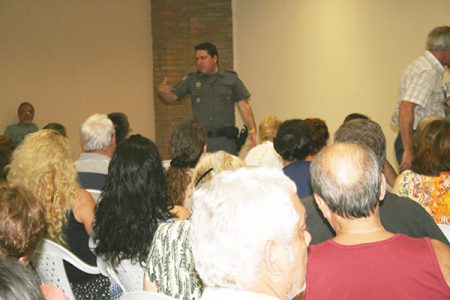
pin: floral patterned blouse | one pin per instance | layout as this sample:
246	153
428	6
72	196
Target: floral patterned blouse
432	192
170	263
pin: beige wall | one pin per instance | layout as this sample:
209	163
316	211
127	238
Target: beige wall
328	58
73	58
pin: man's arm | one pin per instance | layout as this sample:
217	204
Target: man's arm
406	120
247	115
166	93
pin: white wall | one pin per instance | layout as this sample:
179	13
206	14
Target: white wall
74	58
329	58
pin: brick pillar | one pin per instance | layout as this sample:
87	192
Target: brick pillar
177	26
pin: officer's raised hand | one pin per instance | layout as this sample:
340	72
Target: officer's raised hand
166	91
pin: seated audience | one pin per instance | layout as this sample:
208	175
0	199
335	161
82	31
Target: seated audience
170	269
248	234
132	205
121	126
398	215
428	181
293	142
186	145
319	134
42	163
5	157
22	225
264	155
25	126
364	260
58	127
98	142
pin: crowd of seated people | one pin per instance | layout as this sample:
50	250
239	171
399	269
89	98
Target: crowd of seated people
205	228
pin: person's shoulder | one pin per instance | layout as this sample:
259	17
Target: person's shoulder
443	257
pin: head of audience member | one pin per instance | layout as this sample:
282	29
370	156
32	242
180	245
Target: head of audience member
5	157
431	156
206	58
438	43
121	126
43	164
268	128
209	165
319	134
17	282
186	145
97	135
347	183
22	222
420	127
366	133
7	142
293	140
268	255
133	202
57	127
25	113
354	116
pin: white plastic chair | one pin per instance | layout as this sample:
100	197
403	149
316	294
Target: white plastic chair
145	296
129	276
48	261
95	194
446	230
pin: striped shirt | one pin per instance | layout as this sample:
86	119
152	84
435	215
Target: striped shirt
421	84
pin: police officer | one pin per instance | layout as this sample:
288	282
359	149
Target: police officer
214	93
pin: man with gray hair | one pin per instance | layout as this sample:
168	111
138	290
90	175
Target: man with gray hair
421	92
398	214
98	142
249	237
364	260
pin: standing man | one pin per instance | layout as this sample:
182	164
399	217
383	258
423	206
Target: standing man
421	92
213	93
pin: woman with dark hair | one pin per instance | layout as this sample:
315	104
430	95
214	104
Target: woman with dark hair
293	143
132	205
428	181
319	134
187	143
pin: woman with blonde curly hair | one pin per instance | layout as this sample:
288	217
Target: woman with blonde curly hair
43	164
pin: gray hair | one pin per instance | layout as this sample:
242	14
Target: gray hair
439	38
366	133
347	178
235	215
96	132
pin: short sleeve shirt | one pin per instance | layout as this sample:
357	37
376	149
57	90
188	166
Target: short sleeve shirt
421	84
213	97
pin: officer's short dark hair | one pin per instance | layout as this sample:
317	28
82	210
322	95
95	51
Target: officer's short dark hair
208	47
293	140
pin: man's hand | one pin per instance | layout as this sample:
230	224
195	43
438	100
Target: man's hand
164	87
406	161
251	138
166	92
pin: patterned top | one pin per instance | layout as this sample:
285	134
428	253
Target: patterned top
170	263
421	84
432	192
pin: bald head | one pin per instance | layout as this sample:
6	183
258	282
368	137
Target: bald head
348	179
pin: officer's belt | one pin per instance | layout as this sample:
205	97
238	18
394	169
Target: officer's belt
231	132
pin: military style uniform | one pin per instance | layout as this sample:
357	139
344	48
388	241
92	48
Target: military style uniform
213	98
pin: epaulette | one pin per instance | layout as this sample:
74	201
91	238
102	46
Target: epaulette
231	71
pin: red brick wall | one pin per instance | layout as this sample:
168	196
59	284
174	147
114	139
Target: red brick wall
177	26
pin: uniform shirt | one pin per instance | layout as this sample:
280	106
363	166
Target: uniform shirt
213	97
421	84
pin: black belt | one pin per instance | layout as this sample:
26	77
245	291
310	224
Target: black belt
231	132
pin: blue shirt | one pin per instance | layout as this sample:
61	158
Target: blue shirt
298	172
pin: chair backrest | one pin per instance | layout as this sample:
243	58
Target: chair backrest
446	230
129	276
95	194
48	261
145	296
